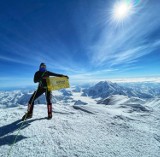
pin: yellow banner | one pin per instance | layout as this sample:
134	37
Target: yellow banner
56	83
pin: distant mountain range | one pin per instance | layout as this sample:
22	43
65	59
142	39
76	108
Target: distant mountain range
102	90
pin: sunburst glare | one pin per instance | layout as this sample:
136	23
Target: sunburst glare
121	11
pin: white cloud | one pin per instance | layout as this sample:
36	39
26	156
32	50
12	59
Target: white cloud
7	58
140	79
124	45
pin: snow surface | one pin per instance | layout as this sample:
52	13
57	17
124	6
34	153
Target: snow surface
92	130
119	122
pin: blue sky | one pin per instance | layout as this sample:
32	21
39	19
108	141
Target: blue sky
78	38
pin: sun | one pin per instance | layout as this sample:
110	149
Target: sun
121	11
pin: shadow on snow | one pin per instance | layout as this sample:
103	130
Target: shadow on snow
5	131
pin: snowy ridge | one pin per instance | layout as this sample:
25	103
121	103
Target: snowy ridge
155	103
18	97
87	131
101	90
10	98
133	104
113	126
104	89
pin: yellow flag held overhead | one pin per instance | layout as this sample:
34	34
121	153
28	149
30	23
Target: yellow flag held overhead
56	83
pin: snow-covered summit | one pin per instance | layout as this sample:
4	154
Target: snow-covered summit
104	89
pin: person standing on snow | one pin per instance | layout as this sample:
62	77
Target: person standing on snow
40	76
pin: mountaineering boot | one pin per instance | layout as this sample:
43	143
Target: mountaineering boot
26	116
49	107
29	112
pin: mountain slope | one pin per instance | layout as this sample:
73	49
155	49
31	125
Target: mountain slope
101	90
103	131
104	89
18	97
